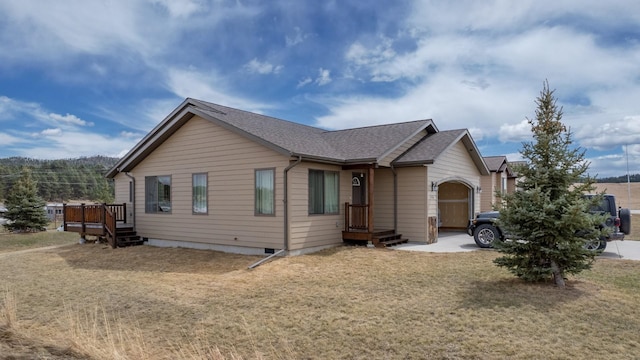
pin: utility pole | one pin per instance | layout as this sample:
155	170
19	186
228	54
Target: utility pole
626	150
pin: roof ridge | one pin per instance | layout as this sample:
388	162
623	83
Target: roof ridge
378	125
214	105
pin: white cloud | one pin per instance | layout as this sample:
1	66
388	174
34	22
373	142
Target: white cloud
180	8
49	132
611	134
515	132
199	85
304	82
77	144
324	77
131	135
11	109
7	139
69	119
263	68
297	38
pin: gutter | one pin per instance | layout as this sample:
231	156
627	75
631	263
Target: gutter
133	197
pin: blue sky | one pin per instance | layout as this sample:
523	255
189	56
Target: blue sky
81	78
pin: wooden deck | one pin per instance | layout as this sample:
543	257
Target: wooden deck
106	221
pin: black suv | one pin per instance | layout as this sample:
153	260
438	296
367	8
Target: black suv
485	231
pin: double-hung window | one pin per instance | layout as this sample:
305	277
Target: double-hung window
157	194
199	193
323	192
265	192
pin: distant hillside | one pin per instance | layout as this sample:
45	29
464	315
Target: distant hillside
64	179
620	179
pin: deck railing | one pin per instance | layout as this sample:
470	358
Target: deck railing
101	218
356	217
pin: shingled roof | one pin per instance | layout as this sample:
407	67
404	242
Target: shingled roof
359	145
342	145
496	163
499	164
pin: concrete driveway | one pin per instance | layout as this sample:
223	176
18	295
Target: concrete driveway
461	242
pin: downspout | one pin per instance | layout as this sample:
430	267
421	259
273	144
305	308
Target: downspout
286	202
133	197
286	217
395	198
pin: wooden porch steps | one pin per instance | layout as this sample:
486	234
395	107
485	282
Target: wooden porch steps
127	237
388	240
379	238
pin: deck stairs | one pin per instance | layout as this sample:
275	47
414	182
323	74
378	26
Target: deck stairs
387	238
126	236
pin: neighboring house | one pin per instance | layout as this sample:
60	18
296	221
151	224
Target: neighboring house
501	179
214	177
54	211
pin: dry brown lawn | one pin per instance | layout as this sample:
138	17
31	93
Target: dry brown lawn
621	191
90	301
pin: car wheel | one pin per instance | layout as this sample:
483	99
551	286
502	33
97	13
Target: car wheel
596	245
485	235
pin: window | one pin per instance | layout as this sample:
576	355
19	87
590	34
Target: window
265	192
199	193
323	192
157	194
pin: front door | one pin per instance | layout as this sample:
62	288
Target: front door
359	188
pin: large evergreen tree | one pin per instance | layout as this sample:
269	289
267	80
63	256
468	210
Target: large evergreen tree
25	209
548	218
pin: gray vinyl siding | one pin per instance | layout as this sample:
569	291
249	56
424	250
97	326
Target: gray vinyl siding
230	160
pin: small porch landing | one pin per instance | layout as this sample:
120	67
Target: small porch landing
379	238
358	229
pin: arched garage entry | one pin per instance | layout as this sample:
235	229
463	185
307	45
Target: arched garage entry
455	205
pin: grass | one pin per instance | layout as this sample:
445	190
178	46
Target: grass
13	242
345	303
635	228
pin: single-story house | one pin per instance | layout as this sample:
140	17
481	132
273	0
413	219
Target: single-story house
213	177
54	211
502	179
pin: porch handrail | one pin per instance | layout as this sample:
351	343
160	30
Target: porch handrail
119	211
103	215
110	225
356	216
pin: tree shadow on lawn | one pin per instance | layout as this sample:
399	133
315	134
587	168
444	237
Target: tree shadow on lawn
500	293
154	259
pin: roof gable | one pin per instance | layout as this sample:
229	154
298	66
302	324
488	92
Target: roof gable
498	164
433	146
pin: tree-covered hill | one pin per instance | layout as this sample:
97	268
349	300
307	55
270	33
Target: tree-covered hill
62	180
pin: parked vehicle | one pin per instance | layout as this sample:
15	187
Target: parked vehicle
618	223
